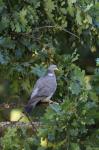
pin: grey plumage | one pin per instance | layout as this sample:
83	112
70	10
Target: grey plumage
44	89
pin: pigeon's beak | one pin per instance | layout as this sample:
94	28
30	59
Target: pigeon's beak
56	69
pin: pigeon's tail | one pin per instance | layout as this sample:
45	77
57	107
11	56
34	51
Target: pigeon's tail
31	105
28	109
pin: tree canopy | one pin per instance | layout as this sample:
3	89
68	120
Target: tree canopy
36	33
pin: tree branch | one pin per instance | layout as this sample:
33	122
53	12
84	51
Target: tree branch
7	124
10	106
30	34
60	28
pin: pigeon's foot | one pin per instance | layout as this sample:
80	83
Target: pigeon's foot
49	101
52	102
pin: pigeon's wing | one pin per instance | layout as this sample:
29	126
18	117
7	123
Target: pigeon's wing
42	89
36	95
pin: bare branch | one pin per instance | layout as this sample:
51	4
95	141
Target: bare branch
30	34
60	28
7	124
10	106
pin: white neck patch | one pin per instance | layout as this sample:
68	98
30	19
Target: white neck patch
50	74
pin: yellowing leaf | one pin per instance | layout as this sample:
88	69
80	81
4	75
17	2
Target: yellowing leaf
43	142
93	49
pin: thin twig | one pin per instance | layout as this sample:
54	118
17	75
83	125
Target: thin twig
10	7
33	127
58	27
27	115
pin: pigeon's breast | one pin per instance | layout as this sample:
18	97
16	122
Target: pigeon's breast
51	84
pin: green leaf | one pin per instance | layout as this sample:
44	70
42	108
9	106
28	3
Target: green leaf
75	88
41	148
75	146
71	2
17	27
4	23
89	18
55	107
39	71
7	43
78	17
4	59
22	17
49	7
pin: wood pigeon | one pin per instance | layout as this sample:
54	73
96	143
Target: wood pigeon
44	89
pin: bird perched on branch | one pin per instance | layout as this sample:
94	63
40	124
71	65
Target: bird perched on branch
44	89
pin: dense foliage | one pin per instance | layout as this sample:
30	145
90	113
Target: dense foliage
72	124
34	34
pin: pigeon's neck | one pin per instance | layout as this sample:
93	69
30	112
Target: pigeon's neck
50	73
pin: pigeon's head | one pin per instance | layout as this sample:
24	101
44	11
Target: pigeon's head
52	68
